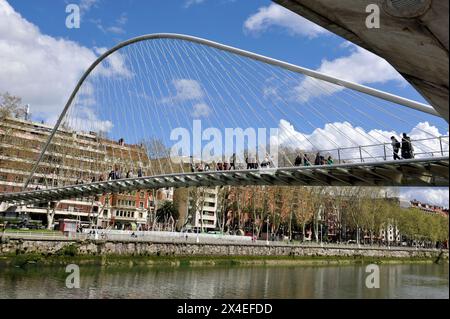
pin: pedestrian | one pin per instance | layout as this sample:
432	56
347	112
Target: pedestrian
266	162
330	160
140	172
192	164
111	175
395	147
233	162
318	161
306	161
226	167
298	160
117	174
247	162
407	148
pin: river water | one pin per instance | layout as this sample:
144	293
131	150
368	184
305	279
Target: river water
396	281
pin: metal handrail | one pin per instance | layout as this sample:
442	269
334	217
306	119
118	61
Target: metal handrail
385	146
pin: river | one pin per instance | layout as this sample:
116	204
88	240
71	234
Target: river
247	282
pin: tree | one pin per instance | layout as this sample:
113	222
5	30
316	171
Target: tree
316	197
11	106
167	212
303	210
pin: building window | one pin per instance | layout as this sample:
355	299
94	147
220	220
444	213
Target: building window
141	204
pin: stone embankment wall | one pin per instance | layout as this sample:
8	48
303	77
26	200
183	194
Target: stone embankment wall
90	248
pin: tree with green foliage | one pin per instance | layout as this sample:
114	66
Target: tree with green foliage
167	213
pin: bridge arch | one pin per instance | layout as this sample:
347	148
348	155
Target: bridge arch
287	66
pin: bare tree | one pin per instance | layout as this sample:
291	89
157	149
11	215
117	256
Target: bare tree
11	106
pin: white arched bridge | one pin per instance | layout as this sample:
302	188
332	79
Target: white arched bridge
170	110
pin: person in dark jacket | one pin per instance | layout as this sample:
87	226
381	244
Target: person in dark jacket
318	160
298	160
407	148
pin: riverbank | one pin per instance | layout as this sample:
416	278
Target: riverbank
201	261
51	252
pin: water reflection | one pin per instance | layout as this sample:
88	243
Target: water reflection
396	281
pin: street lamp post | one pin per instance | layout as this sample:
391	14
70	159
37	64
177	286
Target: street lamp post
267	237
321	233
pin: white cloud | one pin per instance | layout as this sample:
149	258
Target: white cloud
332	136
83	119
433	196
189	90
86	5
41	69
186	90
117	28
201	110
344	135
189	3
113	65
277	16
361	66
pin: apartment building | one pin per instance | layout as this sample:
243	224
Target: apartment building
429	209
198	207
72	158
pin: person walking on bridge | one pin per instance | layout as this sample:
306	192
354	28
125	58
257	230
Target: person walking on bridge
233	162
298	160
395	147
318	160
407	148
306	161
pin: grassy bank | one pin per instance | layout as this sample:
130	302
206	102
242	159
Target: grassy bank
67	257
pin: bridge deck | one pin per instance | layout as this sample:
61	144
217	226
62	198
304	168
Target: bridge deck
416	172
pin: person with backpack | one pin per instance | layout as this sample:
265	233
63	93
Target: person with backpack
407	148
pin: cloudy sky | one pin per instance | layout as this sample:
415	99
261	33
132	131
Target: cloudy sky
41	59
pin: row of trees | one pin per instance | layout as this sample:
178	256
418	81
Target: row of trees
346	213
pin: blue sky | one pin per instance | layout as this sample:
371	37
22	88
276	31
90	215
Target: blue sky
219	20
107	22
34	39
